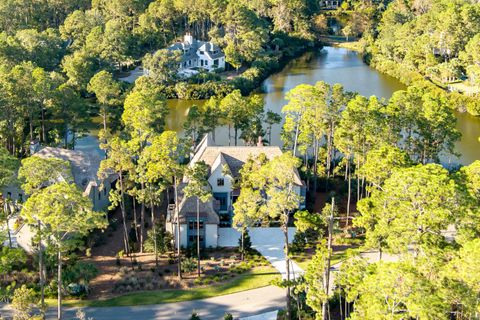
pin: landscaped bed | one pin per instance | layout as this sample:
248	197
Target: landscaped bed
140	282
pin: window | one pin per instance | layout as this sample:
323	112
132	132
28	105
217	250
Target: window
20	197
201	63
104	191
220	182
9	195
206	62
99	195
202	52
192	225
194	238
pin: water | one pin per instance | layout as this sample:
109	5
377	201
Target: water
334	65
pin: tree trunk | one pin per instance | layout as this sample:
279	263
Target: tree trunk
229	135
155	245
59	285
236	135
315	168
357	169
198	237
296	139
44	136
142	219
124	216
179	263
287	264
135	219
40	266
349	193
8	231
243	244
325	313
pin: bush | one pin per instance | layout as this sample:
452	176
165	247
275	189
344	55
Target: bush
23	303
195	316
228	316
164	240
189	265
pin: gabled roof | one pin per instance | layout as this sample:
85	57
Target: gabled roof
84	165
208	47
234	156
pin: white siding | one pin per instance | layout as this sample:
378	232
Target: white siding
211	235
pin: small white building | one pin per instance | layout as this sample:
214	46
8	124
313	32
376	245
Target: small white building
225	163
199	55
84	166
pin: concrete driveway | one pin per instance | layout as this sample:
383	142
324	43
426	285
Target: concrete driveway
270	242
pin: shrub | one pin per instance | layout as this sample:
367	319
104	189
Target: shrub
23	303
164	240
188	265
195	316
80	272
228	316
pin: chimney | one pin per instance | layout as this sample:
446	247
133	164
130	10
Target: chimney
260	142
188	38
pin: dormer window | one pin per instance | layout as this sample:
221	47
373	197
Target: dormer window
220	182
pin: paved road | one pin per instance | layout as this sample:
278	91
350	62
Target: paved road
242	304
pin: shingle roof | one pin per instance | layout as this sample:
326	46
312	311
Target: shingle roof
235	156
208	47
84	165
188	208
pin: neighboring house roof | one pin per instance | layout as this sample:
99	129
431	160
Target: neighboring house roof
84	165
190	49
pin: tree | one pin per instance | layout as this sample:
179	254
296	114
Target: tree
65	213
162	66
277	179
119	162
241	111
35	174
198	187
108	93
316	281
380	163
192	125
8	168
80	67
24	302
413	207
271	118
162	162
395	291
246	213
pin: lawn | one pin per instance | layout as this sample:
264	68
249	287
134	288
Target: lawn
258	277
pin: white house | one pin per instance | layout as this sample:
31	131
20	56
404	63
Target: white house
225	163
84	166
199	54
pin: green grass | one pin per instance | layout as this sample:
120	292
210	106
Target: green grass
259	277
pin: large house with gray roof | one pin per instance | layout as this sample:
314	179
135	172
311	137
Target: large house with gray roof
199	55
225	163
84	166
